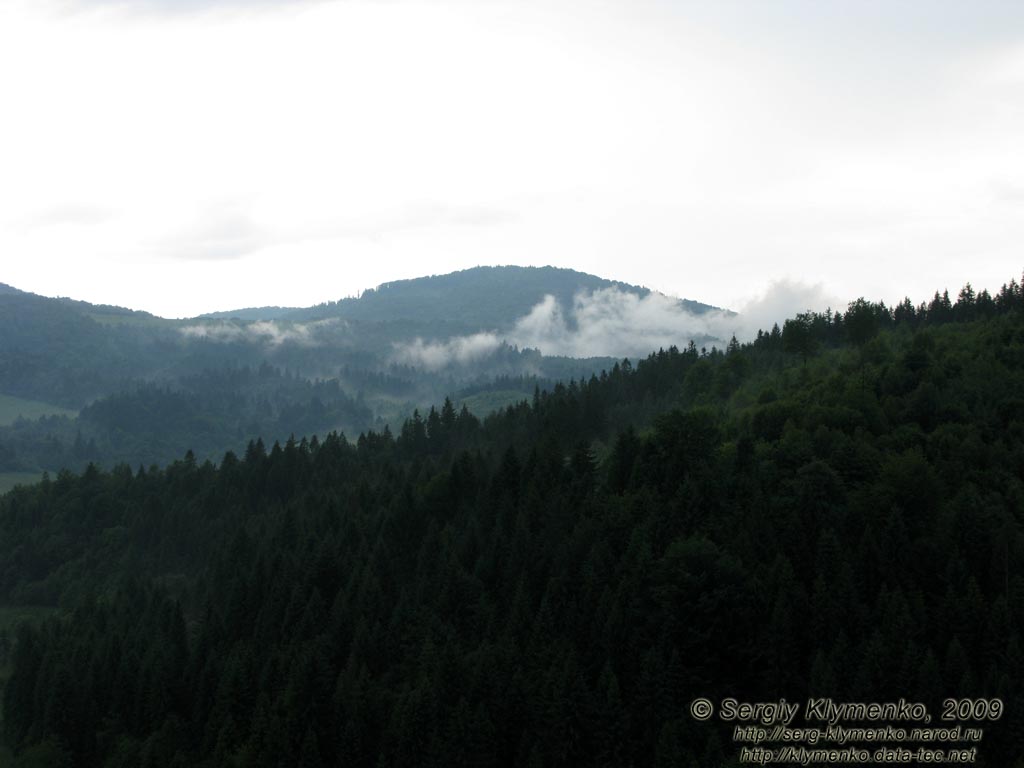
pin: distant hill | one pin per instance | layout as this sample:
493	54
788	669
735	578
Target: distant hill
67	352
251	314
834	507
142	383
472	299
491	298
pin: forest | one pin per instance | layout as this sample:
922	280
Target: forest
832	509
81	382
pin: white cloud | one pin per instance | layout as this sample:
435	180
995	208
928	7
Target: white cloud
700	148
435	355
172	7
782	300
608	322
219	231
223	332
615	323
268	332
73	214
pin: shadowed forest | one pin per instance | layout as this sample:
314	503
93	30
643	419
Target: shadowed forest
833	509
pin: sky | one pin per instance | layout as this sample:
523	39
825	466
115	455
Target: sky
193	155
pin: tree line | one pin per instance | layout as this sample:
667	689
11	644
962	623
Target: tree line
553	584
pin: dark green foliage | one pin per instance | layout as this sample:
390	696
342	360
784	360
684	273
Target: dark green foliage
554	584
207	413
52	350
150	388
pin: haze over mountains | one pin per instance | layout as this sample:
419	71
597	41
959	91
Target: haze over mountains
148	388
474	297
543	308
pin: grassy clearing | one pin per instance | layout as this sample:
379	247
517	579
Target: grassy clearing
11	408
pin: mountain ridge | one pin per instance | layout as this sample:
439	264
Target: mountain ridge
561	282
206	382
418	296
400	295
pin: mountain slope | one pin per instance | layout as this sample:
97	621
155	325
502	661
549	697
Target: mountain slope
78	355
70	352
831	510
250	313
481	298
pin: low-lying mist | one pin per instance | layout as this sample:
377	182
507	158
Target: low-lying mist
269	332
614	323
609	322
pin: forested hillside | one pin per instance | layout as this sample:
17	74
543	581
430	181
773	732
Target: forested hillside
471	299
833	509
207	413
72	352
217	410
376	358
62	352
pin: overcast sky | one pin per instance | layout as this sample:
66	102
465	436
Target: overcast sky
182	157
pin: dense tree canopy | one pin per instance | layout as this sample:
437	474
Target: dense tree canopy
833	509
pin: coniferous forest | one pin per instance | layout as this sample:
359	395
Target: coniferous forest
833	509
